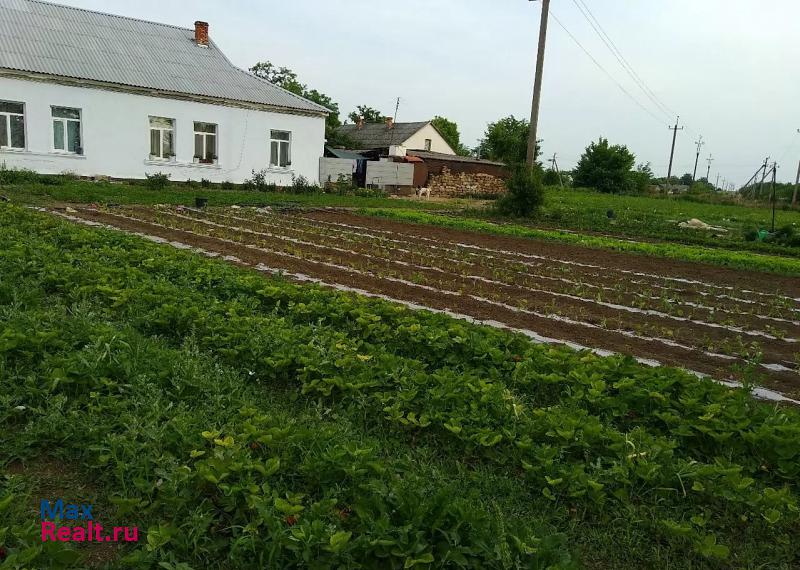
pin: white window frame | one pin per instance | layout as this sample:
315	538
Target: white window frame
6	124
280	143
66	122
205	135
161	131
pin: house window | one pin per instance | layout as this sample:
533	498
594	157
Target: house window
205	143
280	155
12	125
67	130
428	144
162	138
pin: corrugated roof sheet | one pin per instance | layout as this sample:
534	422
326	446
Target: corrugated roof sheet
47	38
424	154
344	153
378	135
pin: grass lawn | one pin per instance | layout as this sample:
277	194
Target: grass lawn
79	191
241	421
658	218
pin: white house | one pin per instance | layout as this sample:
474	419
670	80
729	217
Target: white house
418	136
98	94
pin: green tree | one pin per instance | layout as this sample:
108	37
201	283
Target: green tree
366	112
506	141
449	131
606	168
525	192
550	178
287	79
281	76
686	179
642	178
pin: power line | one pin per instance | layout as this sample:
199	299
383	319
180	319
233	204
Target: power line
603	69
603	35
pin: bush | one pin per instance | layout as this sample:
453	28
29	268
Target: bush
17	175
205	183
344	187
301	185
227	185
551	178
258	182
157	181
525	193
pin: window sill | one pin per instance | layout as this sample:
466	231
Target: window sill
49	154
182	164
279	170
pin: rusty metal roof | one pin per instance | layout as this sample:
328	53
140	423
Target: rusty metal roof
57	40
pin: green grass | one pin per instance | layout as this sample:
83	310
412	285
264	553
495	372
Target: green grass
658	218
734	259
242	421
79	191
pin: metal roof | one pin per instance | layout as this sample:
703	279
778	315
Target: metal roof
343	153
452	158
378	135
57	40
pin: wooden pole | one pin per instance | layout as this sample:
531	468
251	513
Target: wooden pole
537	85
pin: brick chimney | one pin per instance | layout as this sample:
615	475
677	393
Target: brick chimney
360	123
389	122
201	33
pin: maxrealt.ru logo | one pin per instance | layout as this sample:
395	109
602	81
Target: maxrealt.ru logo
79	513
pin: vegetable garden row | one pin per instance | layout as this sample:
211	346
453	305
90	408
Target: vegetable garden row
244	421
713	323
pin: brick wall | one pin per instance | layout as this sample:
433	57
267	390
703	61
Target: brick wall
449	184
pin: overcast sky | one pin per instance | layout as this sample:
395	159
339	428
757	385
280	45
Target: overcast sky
728	67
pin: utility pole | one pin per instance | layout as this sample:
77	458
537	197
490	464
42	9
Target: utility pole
796	184
394	120
554	164
763	176
774	175
537	85
710	159
716	184
674	130
699	142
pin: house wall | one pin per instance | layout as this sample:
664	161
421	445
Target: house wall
116	136
438	144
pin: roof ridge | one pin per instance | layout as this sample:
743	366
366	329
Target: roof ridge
131	18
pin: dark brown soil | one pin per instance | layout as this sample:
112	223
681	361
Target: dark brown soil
739	279
461	302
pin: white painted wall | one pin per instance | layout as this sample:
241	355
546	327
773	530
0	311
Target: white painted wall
438	144
116	136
